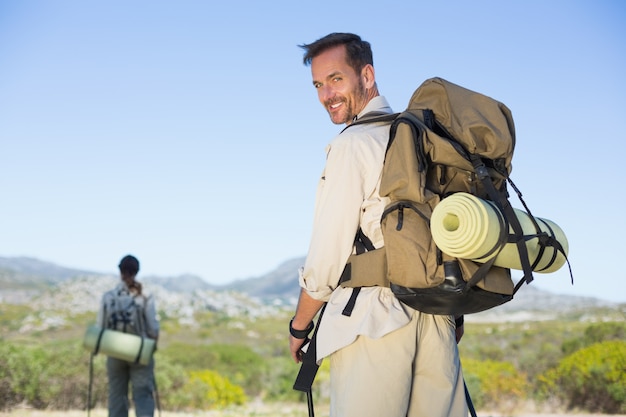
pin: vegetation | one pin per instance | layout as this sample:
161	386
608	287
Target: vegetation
495	384
221	362
593	378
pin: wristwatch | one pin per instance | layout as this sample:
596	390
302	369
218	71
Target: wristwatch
300	334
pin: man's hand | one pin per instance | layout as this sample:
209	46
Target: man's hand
305	312
295	346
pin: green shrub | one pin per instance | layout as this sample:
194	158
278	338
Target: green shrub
207	390
8	396
592	379
170	380
50	369
494	384
595	333
63	378
281	375
55	376
239	363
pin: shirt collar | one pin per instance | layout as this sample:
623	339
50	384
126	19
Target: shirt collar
377	104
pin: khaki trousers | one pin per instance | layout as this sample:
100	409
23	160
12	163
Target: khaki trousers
412	372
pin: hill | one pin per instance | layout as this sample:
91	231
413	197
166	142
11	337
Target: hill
52	288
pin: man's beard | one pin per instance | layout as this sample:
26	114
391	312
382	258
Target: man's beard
348	111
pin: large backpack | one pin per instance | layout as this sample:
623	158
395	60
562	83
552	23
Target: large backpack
448	140
124	313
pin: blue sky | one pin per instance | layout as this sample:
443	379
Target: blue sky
189	134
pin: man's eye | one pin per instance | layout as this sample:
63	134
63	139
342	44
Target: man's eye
317	85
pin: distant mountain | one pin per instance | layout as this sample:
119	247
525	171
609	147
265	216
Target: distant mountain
31	270
182	284
36	268
24	279
282	282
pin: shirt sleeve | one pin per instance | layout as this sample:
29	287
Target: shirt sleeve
100	316
340	195
152	324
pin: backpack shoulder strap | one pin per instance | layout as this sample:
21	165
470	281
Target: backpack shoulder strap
373	117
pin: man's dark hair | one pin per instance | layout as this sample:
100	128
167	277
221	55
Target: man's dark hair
129	264
358	51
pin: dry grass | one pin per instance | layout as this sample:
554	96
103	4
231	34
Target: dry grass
250	410
255	410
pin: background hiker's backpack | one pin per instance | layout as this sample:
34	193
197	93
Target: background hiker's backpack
448	140
123	313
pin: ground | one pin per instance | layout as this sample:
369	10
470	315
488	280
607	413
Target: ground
258	410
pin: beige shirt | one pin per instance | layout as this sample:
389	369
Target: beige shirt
348	197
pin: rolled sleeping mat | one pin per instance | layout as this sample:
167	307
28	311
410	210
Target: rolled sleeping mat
124	346
467	227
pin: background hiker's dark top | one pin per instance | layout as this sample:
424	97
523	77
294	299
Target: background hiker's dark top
147	323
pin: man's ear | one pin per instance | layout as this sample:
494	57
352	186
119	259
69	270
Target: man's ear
368	76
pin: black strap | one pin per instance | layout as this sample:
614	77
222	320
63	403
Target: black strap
362	244
347	310
89	393
97	347
309	366
479	275
373	117
505	206
482	271
308	369
544	239
140	350
470	404
157	399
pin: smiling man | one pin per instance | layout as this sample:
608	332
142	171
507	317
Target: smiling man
343	91
386	359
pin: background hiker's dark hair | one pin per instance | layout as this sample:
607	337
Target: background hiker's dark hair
358	51
129	264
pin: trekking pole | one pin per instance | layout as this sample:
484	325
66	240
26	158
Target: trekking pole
306	375
309	401
309	367
156	394
470	405
90	384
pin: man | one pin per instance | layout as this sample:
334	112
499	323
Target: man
127	309
386	359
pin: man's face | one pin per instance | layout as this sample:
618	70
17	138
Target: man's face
339	88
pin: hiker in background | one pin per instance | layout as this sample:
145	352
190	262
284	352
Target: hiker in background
127	309
386	359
